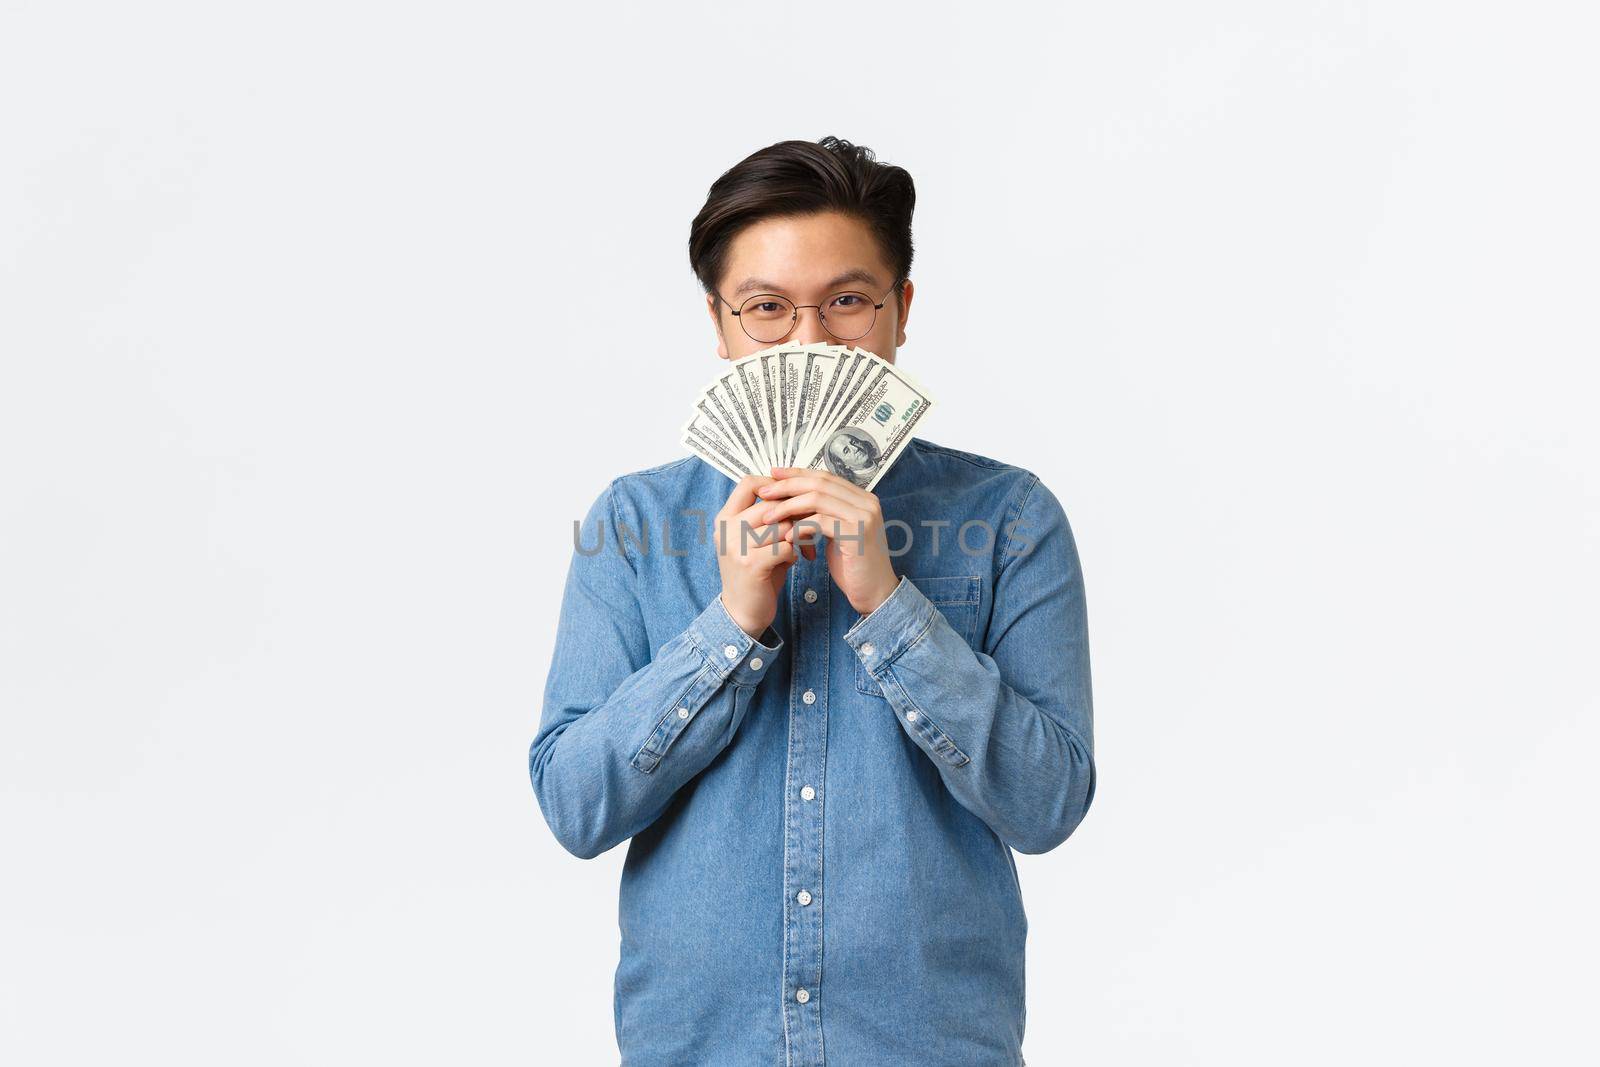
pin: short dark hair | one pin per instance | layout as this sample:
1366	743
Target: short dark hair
802	178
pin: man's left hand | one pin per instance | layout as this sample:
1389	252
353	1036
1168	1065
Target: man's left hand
851	520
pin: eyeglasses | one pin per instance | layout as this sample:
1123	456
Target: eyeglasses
768	318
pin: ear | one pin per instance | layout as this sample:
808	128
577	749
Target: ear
722	342
907	292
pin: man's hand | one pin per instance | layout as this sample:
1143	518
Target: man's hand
753	562
848	516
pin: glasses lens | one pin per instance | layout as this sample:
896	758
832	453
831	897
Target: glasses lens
767	317
849	315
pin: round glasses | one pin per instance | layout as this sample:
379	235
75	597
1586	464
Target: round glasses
768	318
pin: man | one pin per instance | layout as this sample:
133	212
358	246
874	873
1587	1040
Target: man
825	760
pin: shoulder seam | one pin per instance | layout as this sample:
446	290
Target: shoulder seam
1006	555
616	521
658	468
986	462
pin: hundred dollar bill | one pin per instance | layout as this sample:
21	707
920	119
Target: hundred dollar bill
876	421
768	362
829	371
706	439
717	415
812	370
710	457
817	406
741	383
789	364
854	362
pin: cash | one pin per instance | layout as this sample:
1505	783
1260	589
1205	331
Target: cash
822	407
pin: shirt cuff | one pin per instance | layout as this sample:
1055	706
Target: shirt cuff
881	636
734	654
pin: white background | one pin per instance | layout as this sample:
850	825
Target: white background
320	322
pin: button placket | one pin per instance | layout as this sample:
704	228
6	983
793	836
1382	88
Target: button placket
810	622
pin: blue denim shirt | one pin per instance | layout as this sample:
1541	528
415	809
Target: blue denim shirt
822	820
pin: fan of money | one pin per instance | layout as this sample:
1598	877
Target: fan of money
823	407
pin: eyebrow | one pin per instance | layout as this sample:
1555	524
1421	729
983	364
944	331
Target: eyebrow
855	274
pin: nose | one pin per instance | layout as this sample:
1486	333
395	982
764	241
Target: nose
808	330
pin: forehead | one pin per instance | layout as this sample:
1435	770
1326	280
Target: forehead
802	253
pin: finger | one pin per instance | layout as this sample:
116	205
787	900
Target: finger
753	511
793	488
815	500
750	538
840	530
804	539
819	524
779	553
783	487
787	474
754	516
795	483
744	493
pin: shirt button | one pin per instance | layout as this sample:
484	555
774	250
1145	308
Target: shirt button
730	651
809	697
803	897
755	664
801	995
811	596
866	649
911	716
683	713
807	793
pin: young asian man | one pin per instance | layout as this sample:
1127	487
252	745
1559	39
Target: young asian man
824	753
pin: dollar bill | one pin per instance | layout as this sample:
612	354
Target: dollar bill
816	406
873	426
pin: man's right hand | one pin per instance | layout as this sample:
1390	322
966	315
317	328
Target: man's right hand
753	561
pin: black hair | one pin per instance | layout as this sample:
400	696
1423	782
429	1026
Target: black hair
802	178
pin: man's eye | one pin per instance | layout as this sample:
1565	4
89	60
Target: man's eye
846	300
765	307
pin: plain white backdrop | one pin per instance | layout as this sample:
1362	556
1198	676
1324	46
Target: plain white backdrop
320	323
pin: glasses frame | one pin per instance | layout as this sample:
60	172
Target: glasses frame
794	317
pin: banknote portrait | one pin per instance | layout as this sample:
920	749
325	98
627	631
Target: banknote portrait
852	454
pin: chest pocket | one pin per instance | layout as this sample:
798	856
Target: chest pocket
955	597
